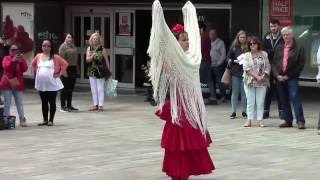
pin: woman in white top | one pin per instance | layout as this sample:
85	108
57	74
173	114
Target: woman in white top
48	67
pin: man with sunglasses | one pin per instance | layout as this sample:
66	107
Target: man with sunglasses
270	41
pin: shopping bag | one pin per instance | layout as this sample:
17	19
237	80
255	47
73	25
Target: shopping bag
111	88
226	77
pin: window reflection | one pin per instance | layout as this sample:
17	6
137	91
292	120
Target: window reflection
124	68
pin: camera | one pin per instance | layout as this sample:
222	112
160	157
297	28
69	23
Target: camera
19	53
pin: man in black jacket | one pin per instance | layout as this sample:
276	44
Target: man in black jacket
270	41
288	62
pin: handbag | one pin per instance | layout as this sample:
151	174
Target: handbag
111	88
7	122
103	71
226	77
14	82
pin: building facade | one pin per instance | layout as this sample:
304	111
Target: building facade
305	20
125	27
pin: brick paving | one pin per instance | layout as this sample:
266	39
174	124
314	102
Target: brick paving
122	143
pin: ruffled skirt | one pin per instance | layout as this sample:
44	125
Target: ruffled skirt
185	147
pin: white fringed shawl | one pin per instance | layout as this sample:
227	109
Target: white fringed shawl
176	69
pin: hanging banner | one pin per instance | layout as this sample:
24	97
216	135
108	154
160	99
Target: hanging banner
17	27
281	10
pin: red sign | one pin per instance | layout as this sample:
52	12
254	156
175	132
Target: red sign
281	10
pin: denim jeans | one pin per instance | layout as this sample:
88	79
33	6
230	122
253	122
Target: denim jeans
238	89
255	101
18	98
289	92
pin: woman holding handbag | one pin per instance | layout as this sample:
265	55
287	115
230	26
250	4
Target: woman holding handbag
12	83
98	70
238	47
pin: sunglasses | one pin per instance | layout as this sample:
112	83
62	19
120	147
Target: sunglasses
250	44
45	45
14	50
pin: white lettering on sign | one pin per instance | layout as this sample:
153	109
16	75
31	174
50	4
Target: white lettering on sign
280	6
48	35
281	9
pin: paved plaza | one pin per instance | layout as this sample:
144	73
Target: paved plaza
122	143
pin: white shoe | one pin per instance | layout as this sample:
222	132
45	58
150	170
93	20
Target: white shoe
247	124
261	124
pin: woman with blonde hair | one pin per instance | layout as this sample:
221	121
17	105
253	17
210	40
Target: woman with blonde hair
98	70
238	47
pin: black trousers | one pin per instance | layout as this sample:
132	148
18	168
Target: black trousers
68	83
272	91
48	98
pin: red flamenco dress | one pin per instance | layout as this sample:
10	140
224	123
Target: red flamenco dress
185	147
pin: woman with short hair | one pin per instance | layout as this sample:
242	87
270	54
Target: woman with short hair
256	75
98	70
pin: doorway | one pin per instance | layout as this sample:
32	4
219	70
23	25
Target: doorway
83	25
124	48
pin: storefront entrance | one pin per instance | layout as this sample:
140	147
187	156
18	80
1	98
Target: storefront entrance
118	32
83	25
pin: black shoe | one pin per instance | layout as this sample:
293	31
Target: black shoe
266	115
281	114
64	109
50	123
71	108
233	115
244	115
301	125
44	123
153	103
212	102
285	124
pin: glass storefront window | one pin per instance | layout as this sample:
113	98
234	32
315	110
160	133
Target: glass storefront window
306	25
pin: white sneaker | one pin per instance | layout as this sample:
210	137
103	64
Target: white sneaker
261	124
64	109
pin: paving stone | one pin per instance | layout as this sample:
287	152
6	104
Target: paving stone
123	143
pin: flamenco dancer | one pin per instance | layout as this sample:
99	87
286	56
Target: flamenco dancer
175	60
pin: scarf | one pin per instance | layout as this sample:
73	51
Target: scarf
175	69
